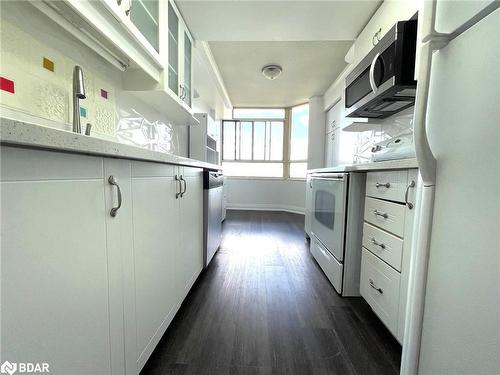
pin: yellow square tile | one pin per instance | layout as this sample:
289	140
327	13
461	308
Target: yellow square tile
48	64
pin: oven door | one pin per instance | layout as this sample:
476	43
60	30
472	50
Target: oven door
329	211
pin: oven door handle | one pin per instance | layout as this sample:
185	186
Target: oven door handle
372	73
327	178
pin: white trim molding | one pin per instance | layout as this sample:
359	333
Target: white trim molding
266	207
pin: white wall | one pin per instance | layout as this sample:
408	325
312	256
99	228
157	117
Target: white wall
265	194
316	144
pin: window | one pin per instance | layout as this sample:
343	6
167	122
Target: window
299	128
264	143
253	148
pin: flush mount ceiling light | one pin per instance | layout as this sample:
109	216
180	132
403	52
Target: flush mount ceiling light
271	71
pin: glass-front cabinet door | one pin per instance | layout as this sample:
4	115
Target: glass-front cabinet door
173	49
144	15
180	50
186	86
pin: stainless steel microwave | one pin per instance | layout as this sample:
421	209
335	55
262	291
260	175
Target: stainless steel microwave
383	82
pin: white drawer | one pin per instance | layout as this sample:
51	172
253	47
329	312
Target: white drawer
379	286
386	215
387	247
387	185
330	266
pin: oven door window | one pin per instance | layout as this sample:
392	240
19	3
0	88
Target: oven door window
329	214
324	208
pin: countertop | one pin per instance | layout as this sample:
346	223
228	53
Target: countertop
31	135
375	166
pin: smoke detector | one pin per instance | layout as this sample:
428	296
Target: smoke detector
271	71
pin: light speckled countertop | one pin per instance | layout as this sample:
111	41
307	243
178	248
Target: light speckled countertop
375	166
31	135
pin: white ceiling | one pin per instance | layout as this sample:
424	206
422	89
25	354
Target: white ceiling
308	69
270	20
309	39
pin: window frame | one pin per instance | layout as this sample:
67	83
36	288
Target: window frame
287	138
238	133
289	154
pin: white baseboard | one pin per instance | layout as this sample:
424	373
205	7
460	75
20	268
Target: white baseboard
266	207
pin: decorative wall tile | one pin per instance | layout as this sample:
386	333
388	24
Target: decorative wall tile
104	119
51	101
44	91
7	85
48	64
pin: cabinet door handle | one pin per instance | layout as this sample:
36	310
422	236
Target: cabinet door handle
127	12
178	183
112	181
376	243
410	185
387	185
183	181
376	37
372	284
382	214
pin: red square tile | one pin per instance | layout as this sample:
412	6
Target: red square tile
6	85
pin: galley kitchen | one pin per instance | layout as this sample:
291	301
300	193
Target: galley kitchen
249	187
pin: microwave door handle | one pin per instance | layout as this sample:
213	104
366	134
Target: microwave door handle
372	73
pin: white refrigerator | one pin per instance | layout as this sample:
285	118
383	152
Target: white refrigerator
453	315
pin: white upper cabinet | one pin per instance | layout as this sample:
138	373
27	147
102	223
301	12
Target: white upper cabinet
173	95
141	18
144	14
187	67
180	45
173	50
382	21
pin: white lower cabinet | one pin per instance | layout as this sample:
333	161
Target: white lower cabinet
61	288
151	271
379	286
83	290
387	233
190	234
167	257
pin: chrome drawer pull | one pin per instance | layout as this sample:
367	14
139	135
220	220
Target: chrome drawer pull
113	181
384	215
411	185
376	243
372	284
386	185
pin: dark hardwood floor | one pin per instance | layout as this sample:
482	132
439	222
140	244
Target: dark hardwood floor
265	307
